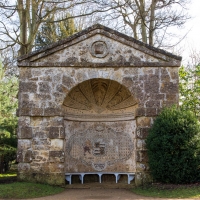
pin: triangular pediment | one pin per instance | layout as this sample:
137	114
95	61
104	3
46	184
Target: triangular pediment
99	46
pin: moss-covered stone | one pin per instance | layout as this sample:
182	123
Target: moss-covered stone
46	178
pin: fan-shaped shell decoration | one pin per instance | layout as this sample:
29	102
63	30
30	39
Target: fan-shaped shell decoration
99	100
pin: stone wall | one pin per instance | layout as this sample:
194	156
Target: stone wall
40	149
42	90
41	130
97	81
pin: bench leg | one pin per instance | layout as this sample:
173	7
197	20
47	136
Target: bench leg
100	177
130	178
81	177
117	177
69	178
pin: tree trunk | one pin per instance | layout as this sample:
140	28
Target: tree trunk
23	27
152	22
141	8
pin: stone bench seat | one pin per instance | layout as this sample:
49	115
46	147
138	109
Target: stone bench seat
68	176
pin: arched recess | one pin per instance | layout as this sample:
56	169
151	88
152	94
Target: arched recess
99	100
100	127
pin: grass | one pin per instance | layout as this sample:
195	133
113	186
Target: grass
172	191
23	190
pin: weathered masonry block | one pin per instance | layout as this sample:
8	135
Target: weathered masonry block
86	104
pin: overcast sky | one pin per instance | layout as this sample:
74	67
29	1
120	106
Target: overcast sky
192	40
194	23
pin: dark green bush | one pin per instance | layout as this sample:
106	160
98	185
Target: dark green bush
173	147
7	155
8	148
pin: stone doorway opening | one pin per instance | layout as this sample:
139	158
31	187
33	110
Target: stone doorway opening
100	128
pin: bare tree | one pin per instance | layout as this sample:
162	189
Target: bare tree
194	57
149	20
20	21
146	20
8	58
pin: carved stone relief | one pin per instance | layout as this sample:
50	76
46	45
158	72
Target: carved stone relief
99	100
99	49
99	147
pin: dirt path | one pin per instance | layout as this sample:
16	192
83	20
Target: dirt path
97	194
96	191
93	194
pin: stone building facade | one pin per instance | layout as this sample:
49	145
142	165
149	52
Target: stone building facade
86	104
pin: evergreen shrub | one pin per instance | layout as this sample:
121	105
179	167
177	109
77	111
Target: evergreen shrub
173	146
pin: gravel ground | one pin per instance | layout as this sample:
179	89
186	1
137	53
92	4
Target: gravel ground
97	194
96	191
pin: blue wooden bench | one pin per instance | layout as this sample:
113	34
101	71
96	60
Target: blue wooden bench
68	176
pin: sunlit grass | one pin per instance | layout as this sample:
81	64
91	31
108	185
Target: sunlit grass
9	174
181	192
23	190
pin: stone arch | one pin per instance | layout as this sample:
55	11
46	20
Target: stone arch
71	78
99	99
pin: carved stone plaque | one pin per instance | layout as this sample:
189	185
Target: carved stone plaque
99	147
99	49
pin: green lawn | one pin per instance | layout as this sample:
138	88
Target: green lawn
23	190
190	191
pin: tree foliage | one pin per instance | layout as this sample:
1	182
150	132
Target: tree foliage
173	146
7	154
8	119
8	105
52	32
189	88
